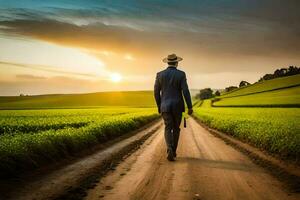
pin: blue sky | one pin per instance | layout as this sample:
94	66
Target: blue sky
237	39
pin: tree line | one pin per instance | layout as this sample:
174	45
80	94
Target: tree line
291	70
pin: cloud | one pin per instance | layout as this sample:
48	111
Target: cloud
211	51
241	38
120	39
219	34
45	69
29	77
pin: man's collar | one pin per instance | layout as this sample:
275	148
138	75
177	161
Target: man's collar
172	66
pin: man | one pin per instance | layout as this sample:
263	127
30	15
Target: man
169	86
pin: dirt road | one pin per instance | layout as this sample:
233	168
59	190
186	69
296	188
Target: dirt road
206	168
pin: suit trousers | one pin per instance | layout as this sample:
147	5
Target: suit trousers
172	129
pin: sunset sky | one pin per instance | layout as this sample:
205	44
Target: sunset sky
76	46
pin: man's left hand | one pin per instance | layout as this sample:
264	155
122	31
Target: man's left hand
190	111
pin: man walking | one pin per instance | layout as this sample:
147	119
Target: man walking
169	86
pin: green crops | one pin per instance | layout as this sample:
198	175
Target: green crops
29	139
279	92
276	130
288	97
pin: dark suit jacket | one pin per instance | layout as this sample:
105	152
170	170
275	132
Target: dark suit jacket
169	86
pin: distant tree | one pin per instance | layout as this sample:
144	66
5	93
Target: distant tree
279	73
243	83
292	70
217	93
206	93
268	77
22	95
230	88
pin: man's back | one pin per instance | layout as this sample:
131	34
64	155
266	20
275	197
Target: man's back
169	86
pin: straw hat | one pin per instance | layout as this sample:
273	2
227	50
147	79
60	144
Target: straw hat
172	58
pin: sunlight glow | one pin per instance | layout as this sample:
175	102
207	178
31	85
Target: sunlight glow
129	57
115	77
32	52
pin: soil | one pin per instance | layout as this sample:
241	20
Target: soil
205	168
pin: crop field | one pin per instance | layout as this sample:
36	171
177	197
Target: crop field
288	97
32	138
279	92
268	85
276	130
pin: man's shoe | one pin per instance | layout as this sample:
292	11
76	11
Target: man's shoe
170	156
174	153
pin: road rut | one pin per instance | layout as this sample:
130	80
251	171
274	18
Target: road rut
206	168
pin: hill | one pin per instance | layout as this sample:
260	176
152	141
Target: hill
124	98
280	92
268	85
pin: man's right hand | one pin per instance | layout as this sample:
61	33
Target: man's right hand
190	111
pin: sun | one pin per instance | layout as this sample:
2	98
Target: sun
115	77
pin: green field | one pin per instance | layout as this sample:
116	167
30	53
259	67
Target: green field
276	130
280	92
100	99
265	114
33	138
262	86
288	97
